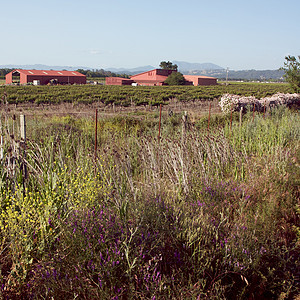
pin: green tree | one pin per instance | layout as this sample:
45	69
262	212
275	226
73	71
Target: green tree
292	72
167	65
176	78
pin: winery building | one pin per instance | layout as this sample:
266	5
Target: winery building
201	80
42	77
118	81
157	77
152	77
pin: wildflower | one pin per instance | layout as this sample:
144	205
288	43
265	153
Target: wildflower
200	203
262	250
245	251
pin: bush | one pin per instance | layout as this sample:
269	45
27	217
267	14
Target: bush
175	78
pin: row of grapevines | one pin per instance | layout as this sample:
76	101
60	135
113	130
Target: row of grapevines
128	95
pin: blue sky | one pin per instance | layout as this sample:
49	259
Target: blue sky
254	34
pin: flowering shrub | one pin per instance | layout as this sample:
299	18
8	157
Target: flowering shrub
280	99
230	102
99	256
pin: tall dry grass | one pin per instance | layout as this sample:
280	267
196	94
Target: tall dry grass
208	215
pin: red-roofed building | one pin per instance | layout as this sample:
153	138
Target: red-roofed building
157	77
118	81
44	77
201	80
153	77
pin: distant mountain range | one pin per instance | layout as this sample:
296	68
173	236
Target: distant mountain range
132	70
204	69
184	66
262	75
42	67
210	69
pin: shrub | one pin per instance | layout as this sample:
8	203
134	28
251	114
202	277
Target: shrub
230	102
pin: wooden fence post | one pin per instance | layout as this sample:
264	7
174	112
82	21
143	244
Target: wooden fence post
23	127
184	125
241	116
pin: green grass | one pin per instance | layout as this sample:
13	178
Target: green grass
210	215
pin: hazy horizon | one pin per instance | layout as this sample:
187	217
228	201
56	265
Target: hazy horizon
99	34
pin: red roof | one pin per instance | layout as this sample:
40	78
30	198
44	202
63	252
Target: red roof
152	76
48	73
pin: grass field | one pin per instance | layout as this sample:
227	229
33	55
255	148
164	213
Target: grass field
195	214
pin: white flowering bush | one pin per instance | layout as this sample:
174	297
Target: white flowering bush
235	102
229	101
280	99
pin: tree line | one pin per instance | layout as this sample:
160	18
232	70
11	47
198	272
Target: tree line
100	73
4	71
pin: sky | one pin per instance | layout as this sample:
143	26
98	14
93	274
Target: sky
240	35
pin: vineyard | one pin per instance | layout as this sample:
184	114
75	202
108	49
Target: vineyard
128	95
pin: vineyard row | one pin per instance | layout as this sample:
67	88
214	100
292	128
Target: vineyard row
128	95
